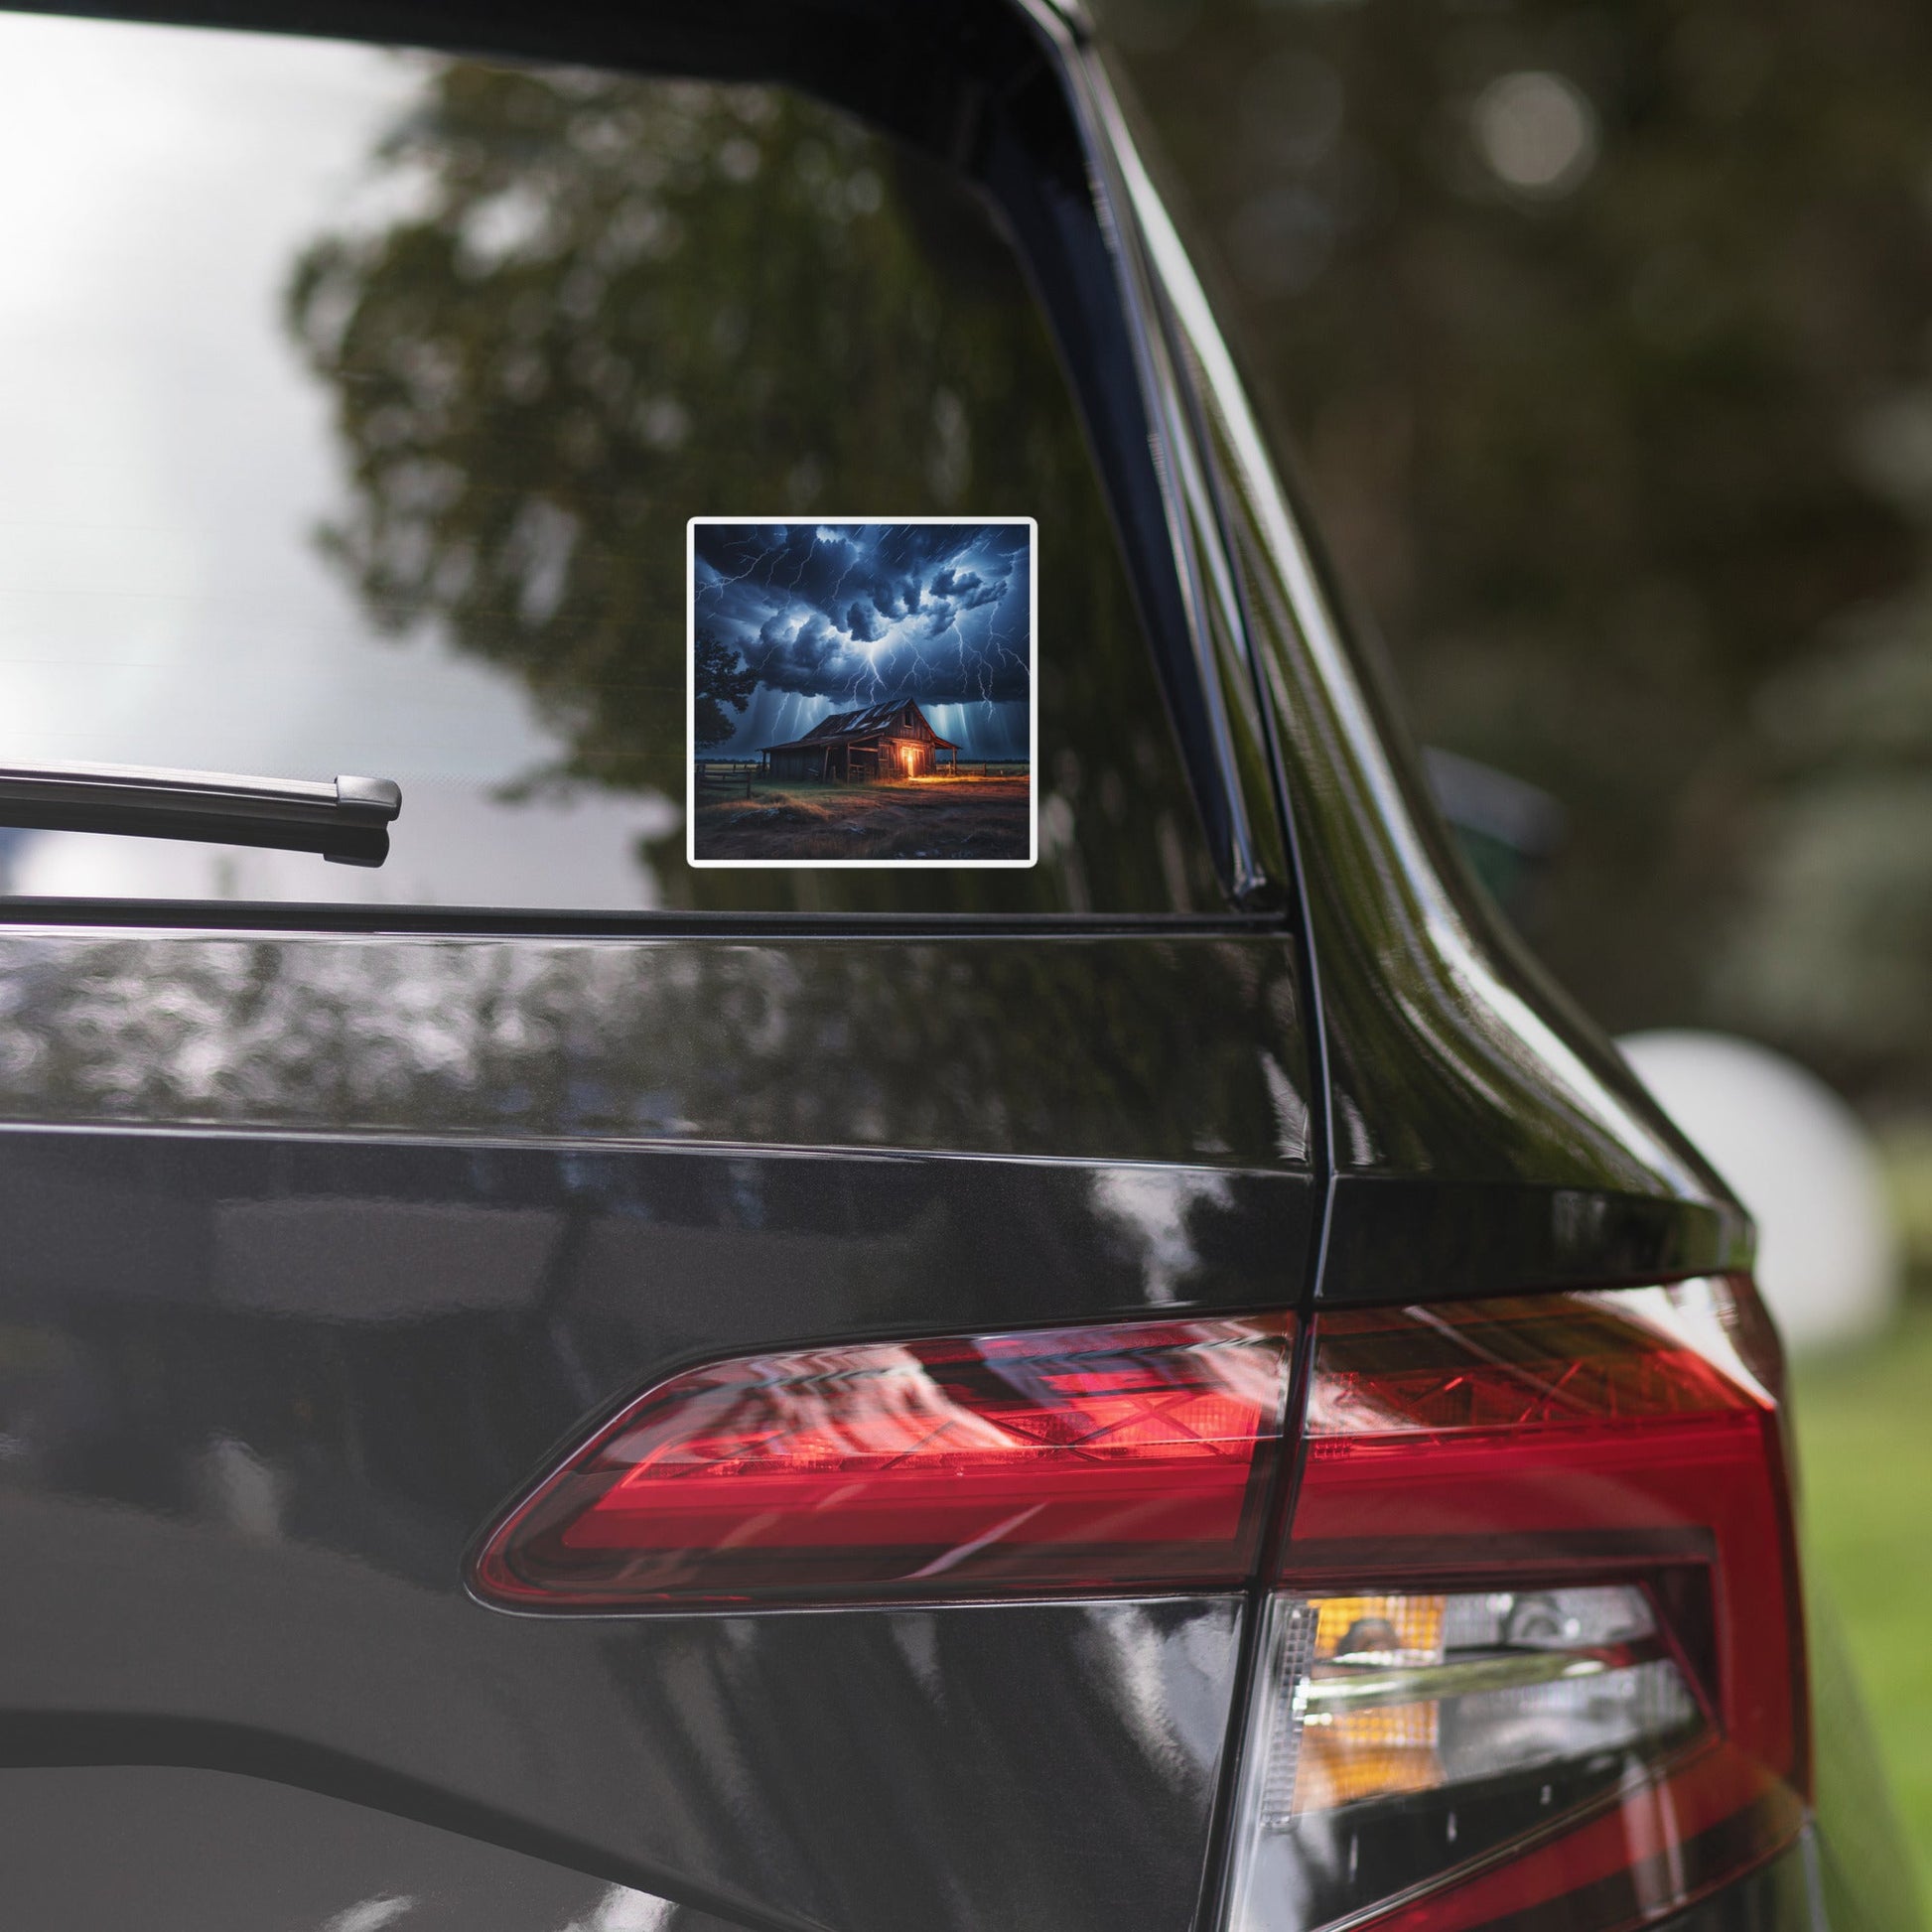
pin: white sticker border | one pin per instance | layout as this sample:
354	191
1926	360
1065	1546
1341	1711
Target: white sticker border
691	858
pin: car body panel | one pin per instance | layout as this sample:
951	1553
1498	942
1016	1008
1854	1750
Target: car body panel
270	1376
1162	1046
207	1852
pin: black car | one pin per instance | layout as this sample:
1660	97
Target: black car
897	1253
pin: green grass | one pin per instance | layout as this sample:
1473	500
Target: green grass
1865	1446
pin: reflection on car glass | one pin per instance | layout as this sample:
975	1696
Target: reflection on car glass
377	454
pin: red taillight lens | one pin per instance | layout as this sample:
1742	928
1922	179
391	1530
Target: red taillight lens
1078	1459
1533	1648
1537	1652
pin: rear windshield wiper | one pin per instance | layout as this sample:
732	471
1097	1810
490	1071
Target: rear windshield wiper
347	820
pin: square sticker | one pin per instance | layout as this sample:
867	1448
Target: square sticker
861	691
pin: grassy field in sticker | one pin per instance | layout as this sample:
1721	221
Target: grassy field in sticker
959	819
1865	1445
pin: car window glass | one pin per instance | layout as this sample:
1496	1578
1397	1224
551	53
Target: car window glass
353	405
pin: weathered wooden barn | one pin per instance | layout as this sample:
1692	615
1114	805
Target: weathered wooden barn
885	741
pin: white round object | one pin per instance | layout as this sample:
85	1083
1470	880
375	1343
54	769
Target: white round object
1537	130
1801	1160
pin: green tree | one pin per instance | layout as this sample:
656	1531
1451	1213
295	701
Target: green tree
721	680
1603	337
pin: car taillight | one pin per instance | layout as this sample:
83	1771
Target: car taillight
1531	1652
1535	1655
1128	1456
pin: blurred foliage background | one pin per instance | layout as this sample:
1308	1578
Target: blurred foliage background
1604	337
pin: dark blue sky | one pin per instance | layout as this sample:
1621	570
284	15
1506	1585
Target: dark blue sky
836	614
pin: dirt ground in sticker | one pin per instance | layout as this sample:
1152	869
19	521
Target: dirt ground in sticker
959	819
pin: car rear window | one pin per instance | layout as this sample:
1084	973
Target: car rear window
354	406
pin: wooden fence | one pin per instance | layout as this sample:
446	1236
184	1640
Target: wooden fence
988	768
729	777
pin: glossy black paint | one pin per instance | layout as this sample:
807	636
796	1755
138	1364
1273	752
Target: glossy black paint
282	1856
411	1328
1171	1047
1482	1135
856	1768
271	1381
213	1851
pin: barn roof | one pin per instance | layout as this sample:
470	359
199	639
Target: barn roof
843	726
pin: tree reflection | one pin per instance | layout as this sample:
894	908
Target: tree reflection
1131	1049
614	303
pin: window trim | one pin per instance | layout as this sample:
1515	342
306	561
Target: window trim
286	918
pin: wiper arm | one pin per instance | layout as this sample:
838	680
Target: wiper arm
348	820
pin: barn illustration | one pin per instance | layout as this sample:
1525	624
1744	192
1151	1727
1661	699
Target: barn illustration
885	741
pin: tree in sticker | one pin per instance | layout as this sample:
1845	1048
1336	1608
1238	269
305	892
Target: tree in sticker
722	684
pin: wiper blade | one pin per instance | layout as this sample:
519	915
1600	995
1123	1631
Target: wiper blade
347	820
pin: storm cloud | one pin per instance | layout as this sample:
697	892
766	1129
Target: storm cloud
859	613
